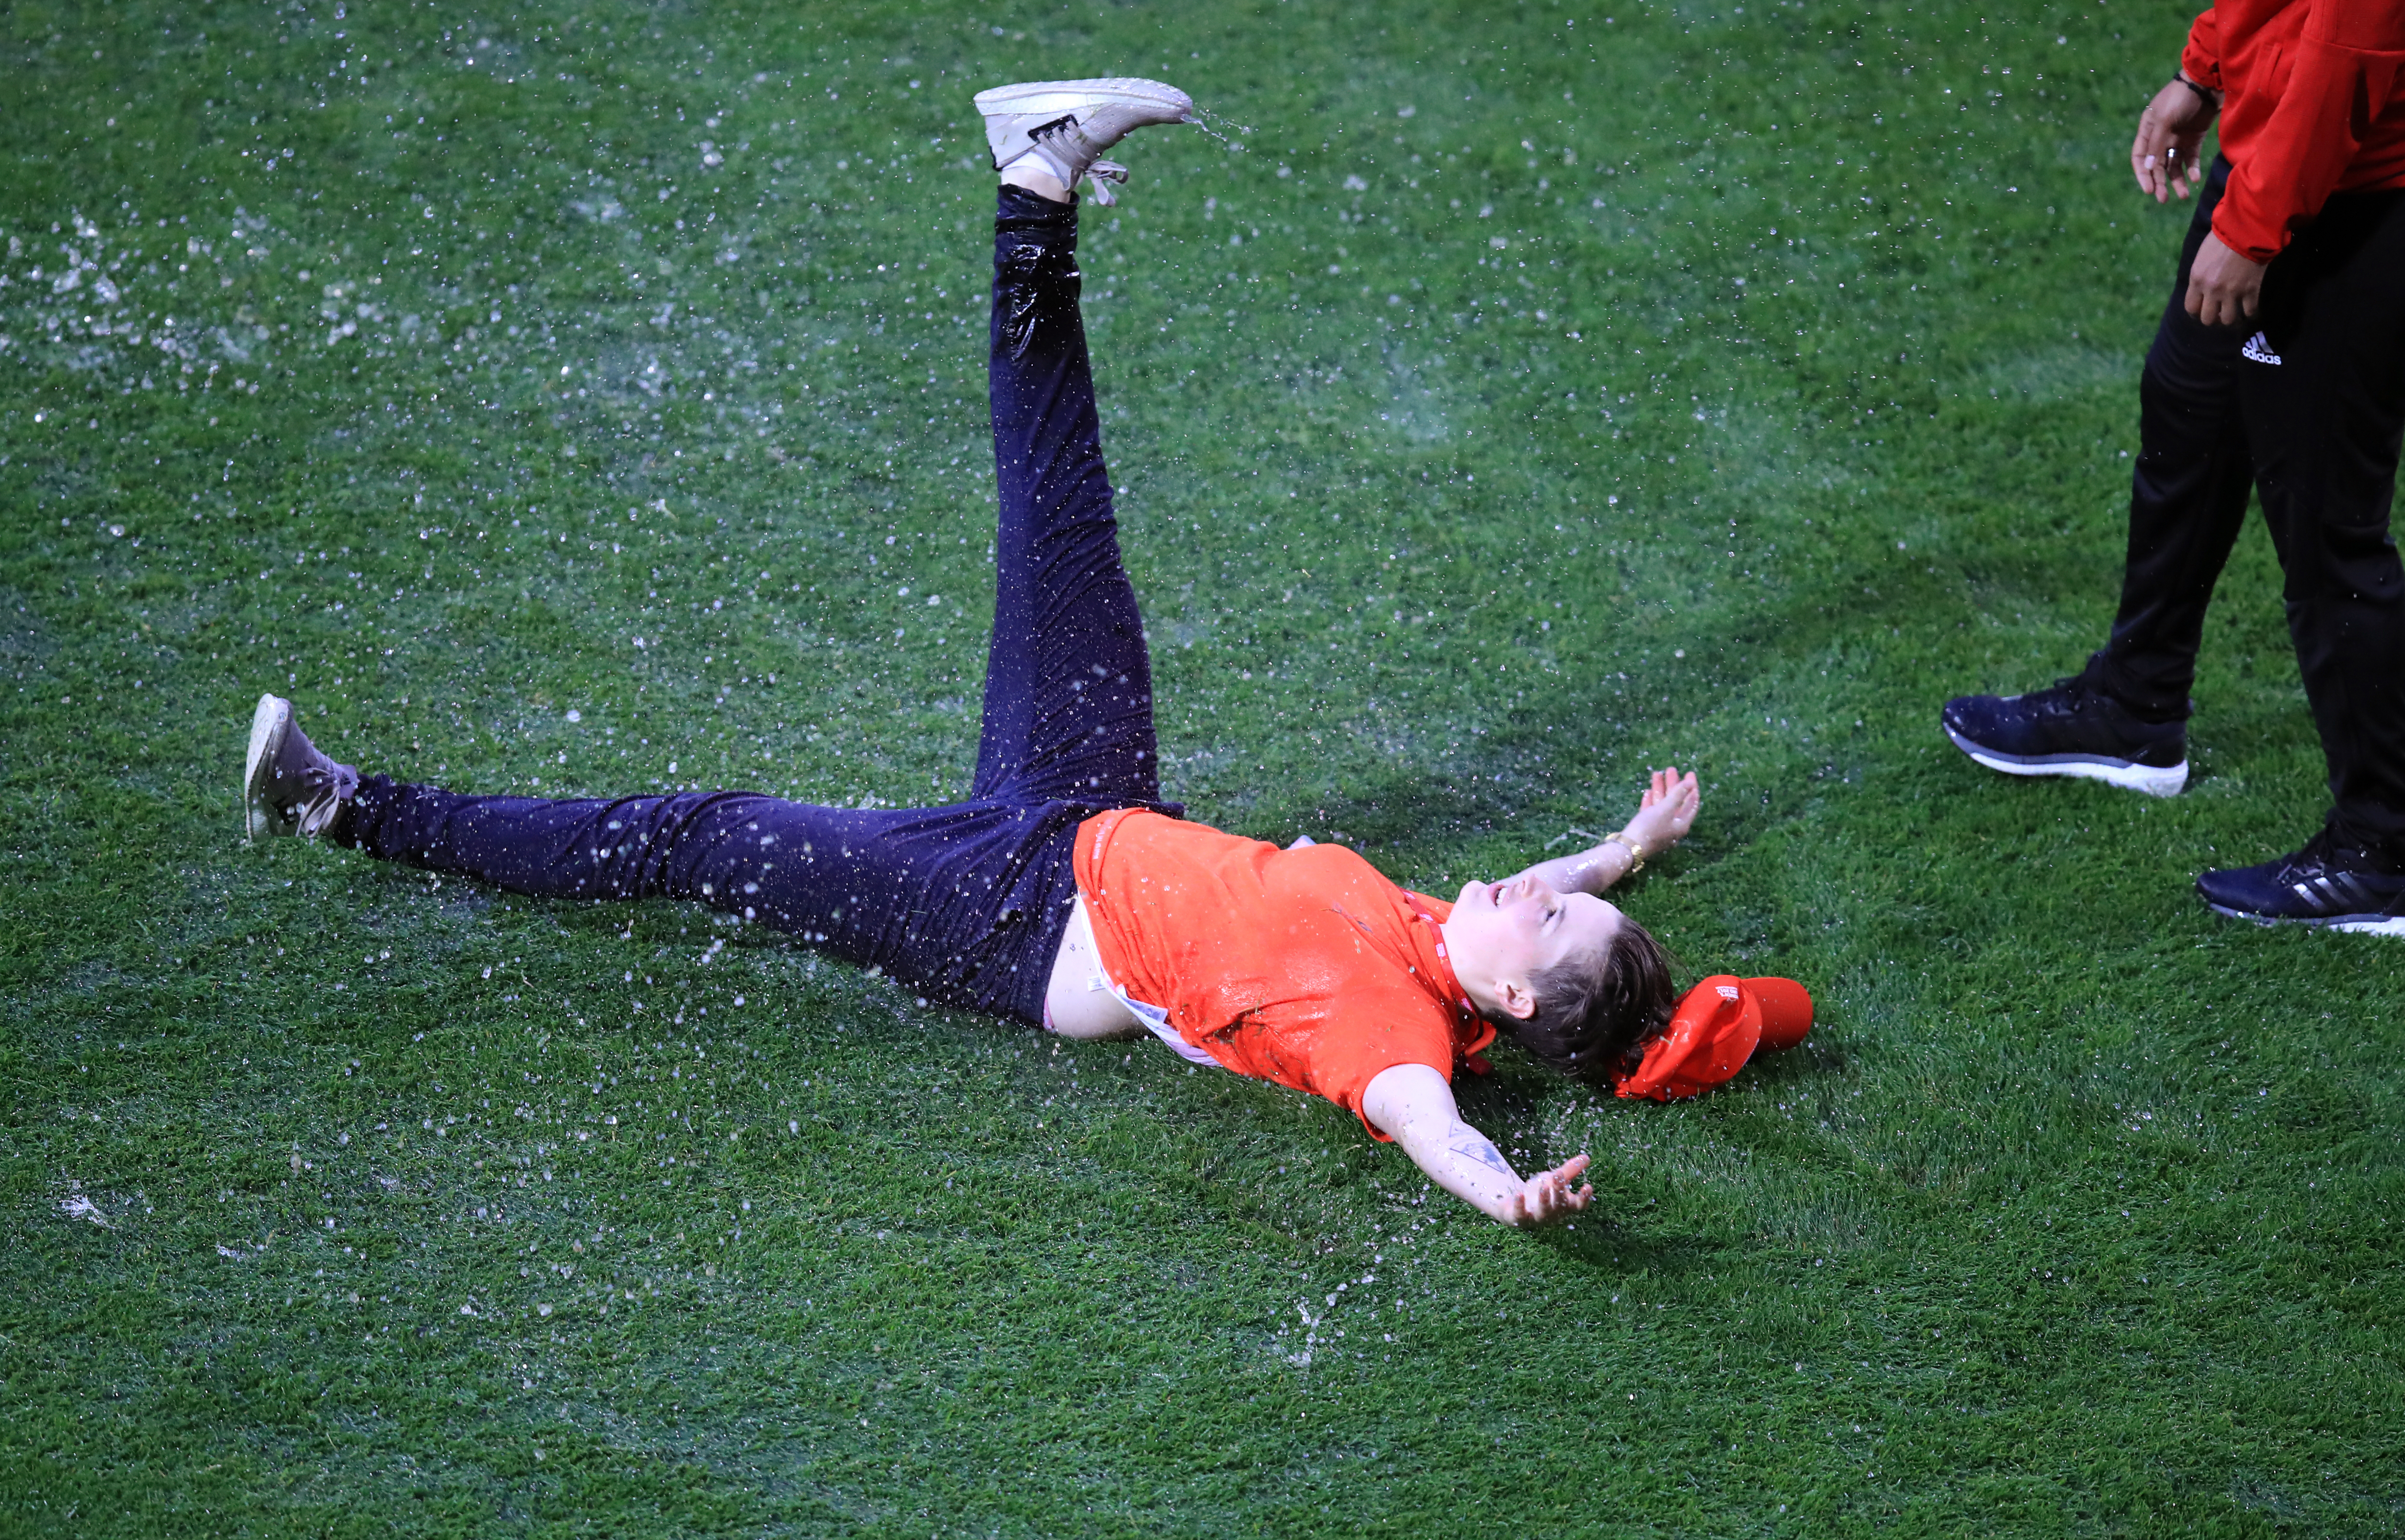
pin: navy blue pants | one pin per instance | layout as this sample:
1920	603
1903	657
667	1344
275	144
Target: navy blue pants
966	902
2304	408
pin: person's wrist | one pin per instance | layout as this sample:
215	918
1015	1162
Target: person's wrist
2205	93
1633	846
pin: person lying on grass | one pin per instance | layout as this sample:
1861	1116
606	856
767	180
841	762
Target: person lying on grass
1063	892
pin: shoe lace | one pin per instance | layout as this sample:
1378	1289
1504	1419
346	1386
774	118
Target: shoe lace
1103	174
2073	690
2329	855
324	788
2321	853
1076	157
2073	695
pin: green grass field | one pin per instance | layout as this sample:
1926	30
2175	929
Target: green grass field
589	397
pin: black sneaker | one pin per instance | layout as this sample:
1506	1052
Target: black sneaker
2070	730
2320	885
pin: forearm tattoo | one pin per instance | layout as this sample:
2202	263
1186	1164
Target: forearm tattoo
1470	1144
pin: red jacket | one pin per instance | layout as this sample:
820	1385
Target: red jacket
2316	104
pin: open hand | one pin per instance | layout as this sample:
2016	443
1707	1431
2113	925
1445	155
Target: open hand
2164	156
1666	811
1548	1196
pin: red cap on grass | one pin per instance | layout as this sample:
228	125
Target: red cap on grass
1715	1030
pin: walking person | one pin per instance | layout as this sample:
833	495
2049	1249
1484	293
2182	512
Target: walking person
2279	367
1063	892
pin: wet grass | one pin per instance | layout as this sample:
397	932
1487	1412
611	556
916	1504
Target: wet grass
1516	405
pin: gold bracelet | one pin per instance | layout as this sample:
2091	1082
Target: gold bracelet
1635	851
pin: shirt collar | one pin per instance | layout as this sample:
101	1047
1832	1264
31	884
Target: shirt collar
1439	959
1473	1032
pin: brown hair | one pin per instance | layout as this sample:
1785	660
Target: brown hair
1594	1014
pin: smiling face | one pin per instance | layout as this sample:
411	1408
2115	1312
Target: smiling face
1502	935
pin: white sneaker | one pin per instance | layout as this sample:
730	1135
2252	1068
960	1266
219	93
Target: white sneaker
1067	124
289	787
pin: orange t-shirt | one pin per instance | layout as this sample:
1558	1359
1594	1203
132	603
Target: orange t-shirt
1304	967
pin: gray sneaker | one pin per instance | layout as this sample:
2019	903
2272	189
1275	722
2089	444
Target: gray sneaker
1067	124
288	786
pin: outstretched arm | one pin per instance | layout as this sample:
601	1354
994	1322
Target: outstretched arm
1412	1104
1663	815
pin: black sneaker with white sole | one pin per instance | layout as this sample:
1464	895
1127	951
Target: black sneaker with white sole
2322	885
2070	730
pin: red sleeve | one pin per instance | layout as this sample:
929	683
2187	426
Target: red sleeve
2200	61
2346	70
1379	1035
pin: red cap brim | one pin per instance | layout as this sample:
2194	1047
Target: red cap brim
1786	1011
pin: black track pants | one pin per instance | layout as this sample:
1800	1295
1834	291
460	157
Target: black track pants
2307	409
